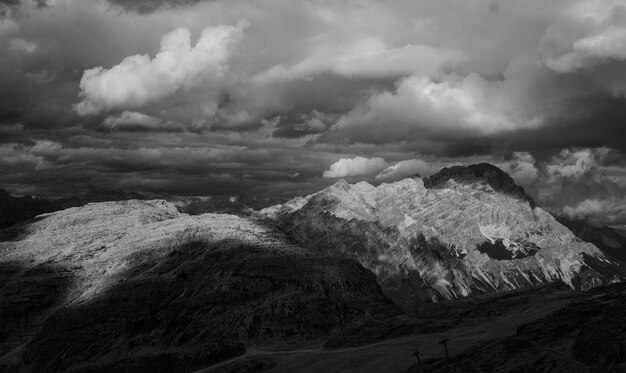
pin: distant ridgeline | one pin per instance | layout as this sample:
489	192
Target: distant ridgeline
18	209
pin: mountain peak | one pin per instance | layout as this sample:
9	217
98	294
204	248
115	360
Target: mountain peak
447	241
340	184
499	180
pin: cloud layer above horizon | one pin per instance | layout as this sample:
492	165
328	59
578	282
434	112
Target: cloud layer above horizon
277	96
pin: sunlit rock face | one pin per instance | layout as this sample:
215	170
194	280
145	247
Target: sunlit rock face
121	286
458	237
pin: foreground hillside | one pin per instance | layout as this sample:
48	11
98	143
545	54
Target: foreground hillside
134	285
586	334
544	329
471	231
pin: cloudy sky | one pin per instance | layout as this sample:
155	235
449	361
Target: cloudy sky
283	97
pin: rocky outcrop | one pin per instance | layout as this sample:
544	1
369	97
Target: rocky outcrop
497	179
122	286
459	238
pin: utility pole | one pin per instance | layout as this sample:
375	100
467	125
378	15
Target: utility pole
443	342
417	355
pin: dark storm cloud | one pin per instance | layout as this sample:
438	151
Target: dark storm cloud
200	97
150	6
39	3
201	170
602	126
11	7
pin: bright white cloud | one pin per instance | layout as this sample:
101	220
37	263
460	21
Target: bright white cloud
46	148
357	166
366	58
574	164
576	183
138	79
407	168
584	209
594	209
471	105
452	72
131	120
521	168
21	45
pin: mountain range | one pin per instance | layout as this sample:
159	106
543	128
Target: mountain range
154	283
461	231
15	209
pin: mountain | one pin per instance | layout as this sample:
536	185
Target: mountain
134	285
611	241
104	195
487	173
312	285
461	231
238	204
16	209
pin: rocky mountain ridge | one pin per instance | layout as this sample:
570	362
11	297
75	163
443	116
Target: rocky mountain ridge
497	179
458	237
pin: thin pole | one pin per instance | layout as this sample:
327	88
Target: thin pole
445	346
417	355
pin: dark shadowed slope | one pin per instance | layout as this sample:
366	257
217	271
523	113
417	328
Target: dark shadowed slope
611	241
17	209
134	285
543	329
587	335
497	179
